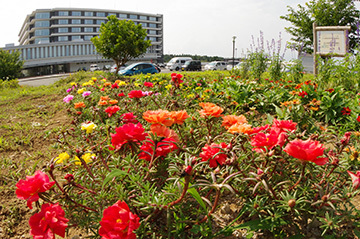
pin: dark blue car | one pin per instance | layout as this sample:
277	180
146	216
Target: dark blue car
139	68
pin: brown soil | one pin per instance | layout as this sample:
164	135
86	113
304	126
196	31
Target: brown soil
21	156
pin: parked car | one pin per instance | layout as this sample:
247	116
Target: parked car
114	67
177	62
216	66
139	68
191	66
230	65
94	67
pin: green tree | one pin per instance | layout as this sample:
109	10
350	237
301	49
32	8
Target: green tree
324	13
10	65
121	40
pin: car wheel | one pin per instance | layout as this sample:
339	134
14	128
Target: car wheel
177	68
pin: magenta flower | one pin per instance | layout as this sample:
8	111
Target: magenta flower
86	93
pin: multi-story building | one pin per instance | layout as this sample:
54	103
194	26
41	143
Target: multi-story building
58	40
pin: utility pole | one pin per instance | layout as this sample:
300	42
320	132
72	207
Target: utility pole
234	37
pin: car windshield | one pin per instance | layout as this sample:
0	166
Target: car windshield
130	66
212	63
172	60
187	63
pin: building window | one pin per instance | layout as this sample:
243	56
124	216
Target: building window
100	21
152	19
43	32
75	13
98	29
88	14
153	25
42	15
75	29
143	17
63	29
152	32
143	24
63	21
42	24
133	16
42	40
153	39
76	21
112	14
63	13
87	38
75	38
63	38
88	21
122	15
100	14
88	29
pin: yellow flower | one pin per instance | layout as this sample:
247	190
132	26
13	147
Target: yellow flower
86	157
168	86
80	91
190	96
89	127
136	84
61	158
93	78
121	83
73	83
103	80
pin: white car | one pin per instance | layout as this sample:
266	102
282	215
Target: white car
113	68
94	67
216	66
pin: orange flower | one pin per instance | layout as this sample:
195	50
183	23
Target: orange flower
240	128
210	109
113	102
104	98
163	131
102	102
179	116
79	105
107	84
158	117
229	120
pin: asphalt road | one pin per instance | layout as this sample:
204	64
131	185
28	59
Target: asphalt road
41	80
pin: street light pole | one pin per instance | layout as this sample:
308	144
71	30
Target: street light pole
234	37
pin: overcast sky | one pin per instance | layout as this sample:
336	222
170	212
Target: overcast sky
202	27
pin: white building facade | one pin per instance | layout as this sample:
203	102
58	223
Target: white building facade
58	40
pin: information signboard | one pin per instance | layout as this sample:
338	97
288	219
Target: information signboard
331	42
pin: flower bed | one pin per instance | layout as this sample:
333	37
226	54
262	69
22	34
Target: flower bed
157	156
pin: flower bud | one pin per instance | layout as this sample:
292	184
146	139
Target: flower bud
69	177
291	203
324	198
188	170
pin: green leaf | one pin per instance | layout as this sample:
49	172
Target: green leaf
193	192
112	174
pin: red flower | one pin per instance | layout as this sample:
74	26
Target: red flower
346	111
355	178
30	188
262	141
118	222
302	94
176	78
136	94
306	150
114	86
112	110
148	84
188	170
259	129
128	133
163	148
48	222
358	118
212	154
121	94
331	90
129	118
284	125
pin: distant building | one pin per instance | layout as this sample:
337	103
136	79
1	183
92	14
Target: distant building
58	40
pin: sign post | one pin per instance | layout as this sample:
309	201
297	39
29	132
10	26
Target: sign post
330	41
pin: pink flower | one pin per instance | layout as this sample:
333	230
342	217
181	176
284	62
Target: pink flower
148	84
118	222
136	94
355	178
30	188
306	150
112	110
128	133
86	93
266	141
68	98
48	222
211	153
